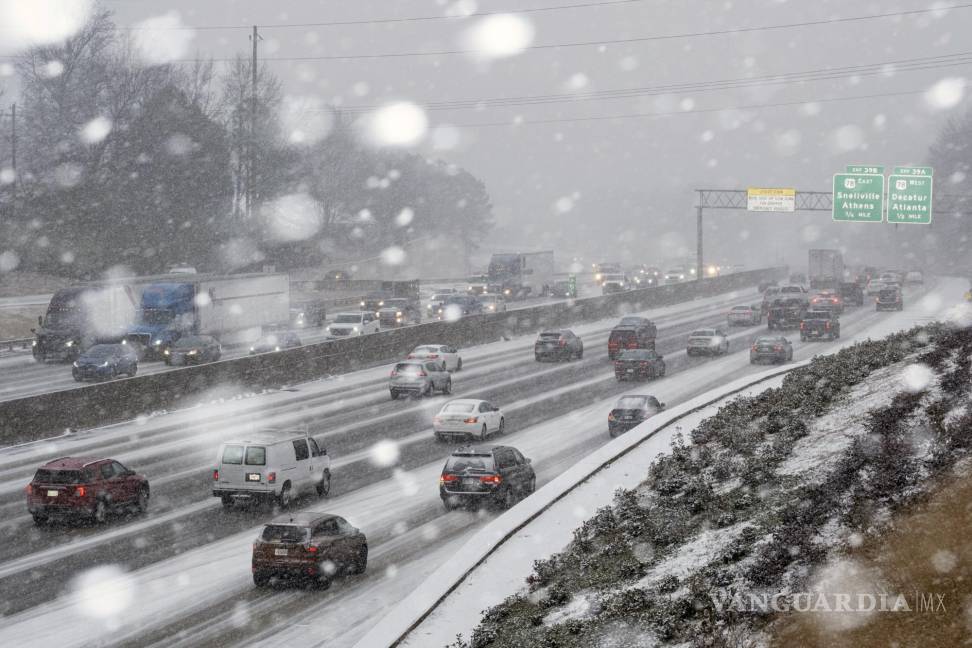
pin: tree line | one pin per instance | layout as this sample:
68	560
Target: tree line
146	166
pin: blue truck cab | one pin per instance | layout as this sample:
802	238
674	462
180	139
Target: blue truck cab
167	312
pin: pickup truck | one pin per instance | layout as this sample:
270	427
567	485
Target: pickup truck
785	313
818	324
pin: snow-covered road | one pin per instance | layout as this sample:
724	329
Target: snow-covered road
182	572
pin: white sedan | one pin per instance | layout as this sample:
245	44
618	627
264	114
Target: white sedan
468	418
441	352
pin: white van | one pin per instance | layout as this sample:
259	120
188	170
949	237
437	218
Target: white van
271	465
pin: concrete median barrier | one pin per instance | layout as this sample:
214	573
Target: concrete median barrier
86	406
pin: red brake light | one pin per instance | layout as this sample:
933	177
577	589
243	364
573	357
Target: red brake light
802	326
472	419
310	548
563	342
394	373
30	489
433	355
827	325
410	356
422	374
272	478
447	478
611	416
643	363
754	347
216	475
80	491
490	479
778	347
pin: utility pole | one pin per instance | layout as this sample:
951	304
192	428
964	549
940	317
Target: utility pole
251	152
13	158
699	274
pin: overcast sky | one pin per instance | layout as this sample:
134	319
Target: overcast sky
606	187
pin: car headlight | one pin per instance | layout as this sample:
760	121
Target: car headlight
276	348
157	343
34	343
193	352
104	364
252	349
327	330
381	303
69	343
355	329
166	352
362	304
76	364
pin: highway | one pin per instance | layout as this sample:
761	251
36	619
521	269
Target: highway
21	375
180	575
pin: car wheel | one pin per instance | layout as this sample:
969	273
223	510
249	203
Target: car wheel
324	486
360	563
439	438
483	433
533	485
285	497
114	373
428	390
536	357
509	498
580	354
39	518
142	501
227	501
448	387
261	579
449	505
502	425
134	370
100	512
394	394
459	365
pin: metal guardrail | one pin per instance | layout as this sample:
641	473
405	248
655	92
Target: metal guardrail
10	345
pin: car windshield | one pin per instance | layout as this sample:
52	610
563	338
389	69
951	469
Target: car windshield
288	533
425	350
190	342
347	318
471	463
702	333
635	354
768	340
459	408
741	308
632	402
101	351
409	368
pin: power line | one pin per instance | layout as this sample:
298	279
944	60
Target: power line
820	74
694	111
619	41
380	21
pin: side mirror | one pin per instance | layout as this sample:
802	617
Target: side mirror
529	460
662	405
40	320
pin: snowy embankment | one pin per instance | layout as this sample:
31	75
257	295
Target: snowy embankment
489	568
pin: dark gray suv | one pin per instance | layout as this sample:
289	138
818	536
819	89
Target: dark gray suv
500	476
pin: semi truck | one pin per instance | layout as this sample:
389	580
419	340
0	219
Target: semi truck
83	315
826	269
518	275
231	308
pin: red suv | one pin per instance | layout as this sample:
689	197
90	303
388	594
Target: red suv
84	486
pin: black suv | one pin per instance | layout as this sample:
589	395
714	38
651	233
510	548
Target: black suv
558	345
499	475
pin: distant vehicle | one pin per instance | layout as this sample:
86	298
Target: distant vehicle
827	299
352	325
771	293
275	342
763	285
85	487
419	378
442	353
399	311
874	286
468	418
614	283
889	299
644	276
307	313
817	324
518	275
193	349
852	293
631	411
605	268
373	302
308	546
775	348
745	316
785	313
181	269
436	302
458	306
480	476
798	278
890	276
221	306
914	277
558	345
638	364
675	275
639	334
271	466
337	275
563	288
493	303
794	291
634	320
105	362
826	268
478	285
708	342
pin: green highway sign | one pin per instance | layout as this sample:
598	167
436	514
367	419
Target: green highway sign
863	168
858	197
914	171
910	196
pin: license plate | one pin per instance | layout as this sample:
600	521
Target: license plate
628	417
253	477
470	483
630	370
52	493
279	552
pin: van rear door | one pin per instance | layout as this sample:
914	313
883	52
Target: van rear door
230	465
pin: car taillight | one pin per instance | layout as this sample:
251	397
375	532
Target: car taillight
632	345
802	326
563	342
216	475
410	356
422	374
827	325
473	419
436	419
394	373
272	478
446	478
30	489
433	355
778	348
491	479
754	348
643	363
611	416
310	548
79	491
